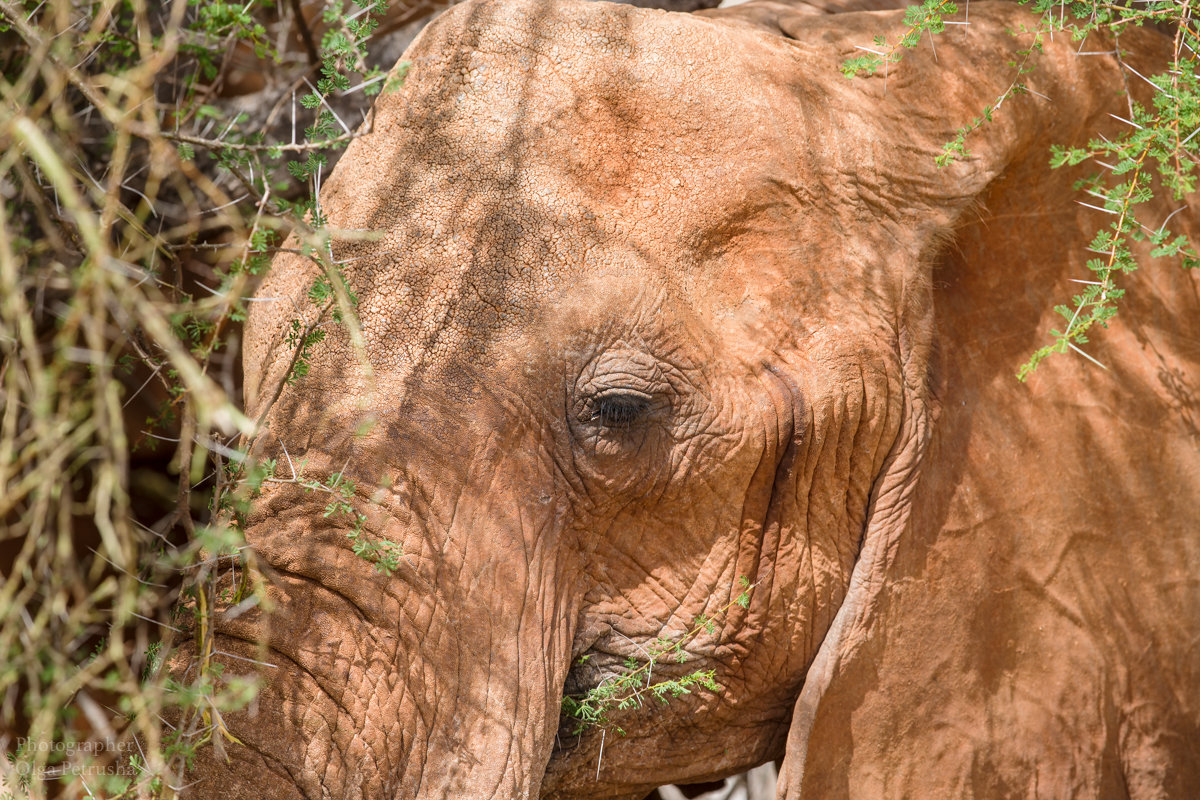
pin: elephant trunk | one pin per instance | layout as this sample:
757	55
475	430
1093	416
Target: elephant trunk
441	680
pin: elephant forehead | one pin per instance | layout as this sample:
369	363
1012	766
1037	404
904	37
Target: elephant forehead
536	144
536	109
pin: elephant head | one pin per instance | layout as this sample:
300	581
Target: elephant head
653	306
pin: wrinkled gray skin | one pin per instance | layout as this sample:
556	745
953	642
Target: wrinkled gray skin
655	301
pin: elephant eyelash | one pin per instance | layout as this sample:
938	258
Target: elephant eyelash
619	408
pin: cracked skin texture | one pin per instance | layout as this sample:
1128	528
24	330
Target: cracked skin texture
655	301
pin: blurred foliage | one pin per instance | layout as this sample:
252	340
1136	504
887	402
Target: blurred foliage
141	208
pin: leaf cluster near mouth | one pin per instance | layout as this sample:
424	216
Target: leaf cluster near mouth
628	689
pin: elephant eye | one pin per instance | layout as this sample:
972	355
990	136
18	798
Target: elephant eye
619	408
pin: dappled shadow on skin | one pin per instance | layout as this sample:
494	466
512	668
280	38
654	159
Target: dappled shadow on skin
1031	596
467	248
1157	303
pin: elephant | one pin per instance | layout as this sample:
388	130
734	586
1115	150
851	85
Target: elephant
661	318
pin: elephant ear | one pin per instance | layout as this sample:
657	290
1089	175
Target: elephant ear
1008	627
